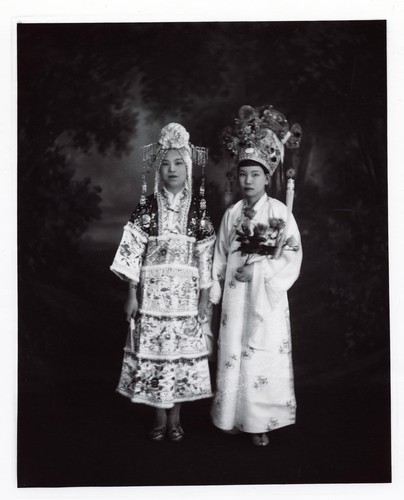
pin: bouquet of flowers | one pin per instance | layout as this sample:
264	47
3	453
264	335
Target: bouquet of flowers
262	239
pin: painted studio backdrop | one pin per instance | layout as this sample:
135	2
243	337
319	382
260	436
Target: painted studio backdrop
89	96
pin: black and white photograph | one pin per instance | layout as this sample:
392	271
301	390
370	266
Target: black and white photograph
202	251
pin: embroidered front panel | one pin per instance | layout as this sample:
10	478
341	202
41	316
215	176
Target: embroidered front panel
167	337
169	291
162	383
172	250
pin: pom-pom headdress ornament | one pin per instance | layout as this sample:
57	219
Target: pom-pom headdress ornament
260	134
173	136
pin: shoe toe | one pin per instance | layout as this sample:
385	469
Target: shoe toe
176	434
260	440
157	434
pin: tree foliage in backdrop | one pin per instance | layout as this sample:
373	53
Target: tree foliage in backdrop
81	82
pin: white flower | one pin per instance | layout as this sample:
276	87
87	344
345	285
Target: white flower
173	136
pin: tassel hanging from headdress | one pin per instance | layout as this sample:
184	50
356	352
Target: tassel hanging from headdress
290	190
144	184
200	157
290	194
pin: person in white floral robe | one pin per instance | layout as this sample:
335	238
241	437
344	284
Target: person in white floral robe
166	255
255	388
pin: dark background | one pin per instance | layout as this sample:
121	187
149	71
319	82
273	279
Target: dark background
88	96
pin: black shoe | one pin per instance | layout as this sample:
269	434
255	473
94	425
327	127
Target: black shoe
176	434
157	433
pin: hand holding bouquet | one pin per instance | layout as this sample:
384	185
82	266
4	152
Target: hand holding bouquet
257	238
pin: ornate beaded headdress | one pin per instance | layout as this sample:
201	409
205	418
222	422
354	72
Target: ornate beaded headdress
260	134
174	136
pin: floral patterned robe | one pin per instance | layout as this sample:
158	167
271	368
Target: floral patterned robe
255	390
168	246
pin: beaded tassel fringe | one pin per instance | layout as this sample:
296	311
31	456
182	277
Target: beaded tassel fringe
200	157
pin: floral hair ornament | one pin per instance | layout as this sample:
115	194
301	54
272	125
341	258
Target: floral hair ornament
174	136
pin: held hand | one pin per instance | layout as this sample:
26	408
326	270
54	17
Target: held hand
204	307
215	292
131	306
204	311
245	273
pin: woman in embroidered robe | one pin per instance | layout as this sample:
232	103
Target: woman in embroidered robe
167	249
255	390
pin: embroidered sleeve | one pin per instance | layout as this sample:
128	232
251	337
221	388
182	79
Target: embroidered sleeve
204	249
129	256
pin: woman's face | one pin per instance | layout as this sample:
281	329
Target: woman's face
173	171
252	181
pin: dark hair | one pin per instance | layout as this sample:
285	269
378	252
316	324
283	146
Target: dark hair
253	163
